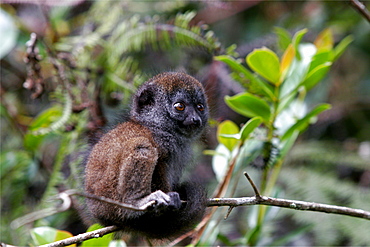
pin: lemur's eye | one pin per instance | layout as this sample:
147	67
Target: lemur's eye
179	106
200	107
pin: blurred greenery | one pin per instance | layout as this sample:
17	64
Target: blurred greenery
60	93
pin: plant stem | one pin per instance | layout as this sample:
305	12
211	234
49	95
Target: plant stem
268	181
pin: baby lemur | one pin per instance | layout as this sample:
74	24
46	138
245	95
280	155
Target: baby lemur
142	160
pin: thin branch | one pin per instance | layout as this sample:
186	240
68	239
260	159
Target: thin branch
292	204
34	79
256	192
228	212
31	217
361	8
234	202
82	237
212	202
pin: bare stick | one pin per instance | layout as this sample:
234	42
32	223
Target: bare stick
292	204
219	202
82	237
31	217
361	8
256	192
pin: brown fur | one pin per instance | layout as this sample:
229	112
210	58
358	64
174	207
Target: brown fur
142	159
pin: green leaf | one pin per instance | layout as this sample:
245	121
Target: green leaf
316	75
341	47
284	38
305	121
103	241
266	63
227	128
32	142
235	66
266	89
43	121
297	40
249	127
320	58
43	235
46	118
249	105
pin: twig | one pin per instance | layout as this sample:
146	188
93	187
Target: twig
228	212
235	202
256	192
31	217
212	202
34	78
82	237
292	204
361	8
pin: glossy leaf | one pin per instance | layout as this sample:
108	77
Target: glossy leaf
286	61
235	66
316	76
284	38
324	41
266	89
320	58
341	47
266	63
297	40
227	128
249	127
249	105
43	120
43	235
305	121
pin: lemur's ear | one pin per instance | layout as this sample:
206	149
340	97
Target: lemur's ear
144	98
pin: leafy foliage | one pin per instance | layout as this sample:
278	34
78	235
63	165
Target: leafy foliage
91	57
278	101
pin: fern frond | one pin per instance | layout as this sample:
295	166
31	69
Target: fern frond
308	185
136	35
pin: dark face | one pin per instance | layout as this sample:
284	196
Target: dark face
188	111
172	102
